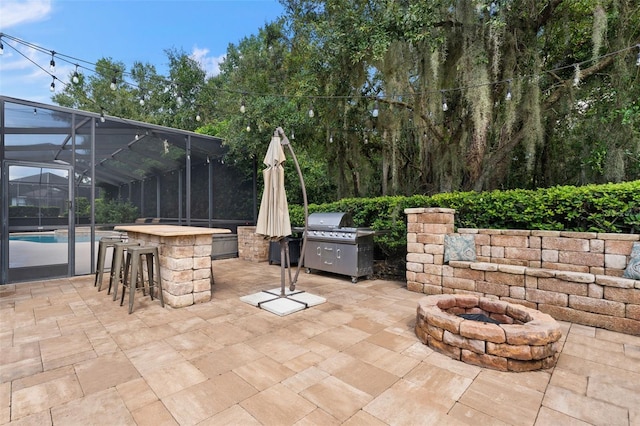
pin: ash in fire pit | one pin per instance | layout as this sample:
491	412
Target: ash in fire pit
479	317
516	338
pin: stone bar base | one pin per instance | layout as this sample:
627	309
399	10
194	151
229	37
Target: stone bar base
525	339
185	264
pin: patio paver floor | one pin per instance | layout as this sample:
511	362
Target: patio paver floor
70	355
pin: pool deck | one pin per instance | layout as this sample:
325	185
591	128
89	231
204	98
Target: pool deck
72	356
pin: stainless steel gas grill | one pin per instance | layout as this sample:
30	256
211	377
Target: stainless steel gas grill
335	245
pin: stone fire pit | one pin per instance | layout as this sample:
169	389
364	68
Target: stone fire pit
524	339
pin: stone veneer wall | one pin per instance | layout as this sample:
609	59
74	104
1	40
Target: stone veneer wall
573	276
251	246
185	265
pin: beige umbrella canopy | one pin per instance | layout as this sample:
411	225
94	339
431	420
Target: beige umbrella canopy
273	218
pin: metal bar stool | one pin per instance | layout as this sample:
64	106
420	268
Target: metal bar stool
117	266
134	261
103	245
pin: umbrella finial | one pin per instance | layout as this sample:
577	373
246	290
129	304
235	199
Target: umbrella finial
280	132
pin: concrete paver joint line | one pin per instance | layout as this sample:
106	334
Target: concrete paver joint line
71	355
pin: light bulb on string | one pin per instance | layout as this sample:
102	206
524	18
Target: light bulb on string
445	107
52	62
76	76
141	100
293	135
52	87
113	83
331	138
179	99
311	113
508	95
576	76
1	48
248	127
243	109
638	58
376	110
35	111
198	118
102	119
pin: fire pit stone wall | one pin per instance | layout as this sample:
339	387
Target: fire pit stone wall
524	340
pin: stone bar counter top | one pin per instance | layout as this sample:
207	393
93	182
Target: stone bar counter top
185	259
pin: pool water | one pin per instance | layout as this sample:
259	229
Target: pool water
48	238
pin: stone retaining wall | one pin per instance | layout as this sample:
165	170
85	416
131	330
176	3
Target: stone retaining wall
573	276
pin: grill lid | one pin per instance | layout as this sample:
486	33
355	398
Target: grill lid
332	220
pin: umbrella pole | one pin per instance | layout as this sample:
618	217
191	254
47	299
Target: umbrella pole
288	256
285	141
283	243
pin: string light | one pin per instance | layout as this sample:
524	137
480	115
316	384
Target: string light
243	109
52	87
311	113
293	135
52	63
248	127
102	119
35	111
198	118
76	77
141	99
376	110
331	138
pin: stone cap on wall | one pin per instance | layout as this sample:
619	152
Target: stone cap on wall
417	210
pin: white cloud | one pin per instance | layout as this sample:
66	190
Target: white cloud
211	64
15	12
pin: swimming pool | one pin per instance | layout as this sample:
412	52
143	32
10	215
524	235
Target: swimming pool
49	238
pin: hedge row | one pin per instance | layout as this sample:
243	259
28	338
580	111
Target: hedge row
594	208
33	211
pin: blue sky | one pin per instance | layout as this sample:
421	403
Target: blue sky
123	30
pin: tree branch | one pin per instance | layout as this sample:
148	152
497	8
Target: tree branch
547	12
432	129
564	86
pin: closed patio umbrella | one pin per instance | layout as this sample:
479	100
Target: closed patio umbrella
274	224
273	218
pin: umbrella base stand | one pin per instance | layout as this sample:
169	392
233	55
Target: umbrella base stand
293	301
283	301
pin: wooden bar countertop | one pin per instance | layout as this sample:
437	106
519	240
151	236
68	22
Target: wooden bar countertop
171	230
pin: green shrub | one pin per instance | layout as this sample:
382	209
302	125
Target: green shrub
114	211
33	211
611	208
